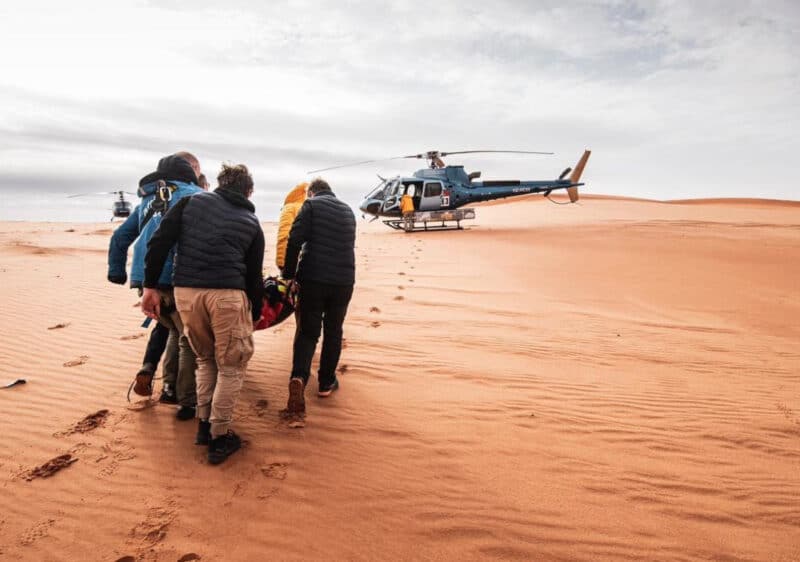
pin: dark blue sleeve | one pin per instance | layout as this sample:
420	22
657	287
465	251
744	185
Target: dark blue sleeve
121	240
162	241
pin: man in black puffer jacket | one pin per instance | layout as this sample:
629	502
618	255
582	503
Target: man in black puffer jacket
218	293
323	237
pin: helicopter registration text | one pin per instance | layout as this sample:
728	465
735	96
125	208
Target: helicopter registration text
521	190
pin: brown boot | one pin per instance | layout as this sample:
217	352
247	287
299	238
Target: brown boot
297	401
144	381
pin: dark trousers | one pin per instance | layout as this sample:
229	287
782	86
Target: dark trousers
322	307
156	345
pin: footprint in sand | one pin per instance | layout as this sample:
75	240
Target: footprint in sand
293	419
343	368
375	324
260	407
145	404
50	467
399	298
59	326
401	273
137	304
275	470
344	343
36	532
189	557
153	529
79	361
374	309
132	337
90	422
401	287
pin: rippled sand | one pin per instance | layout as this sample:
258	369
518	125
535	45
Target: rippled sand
615	380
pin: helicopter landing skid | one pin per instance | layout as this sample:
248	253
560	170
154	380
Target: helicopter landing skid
432	220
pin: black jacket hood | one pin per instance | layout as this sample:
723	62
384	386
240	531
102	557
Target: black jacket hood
171	167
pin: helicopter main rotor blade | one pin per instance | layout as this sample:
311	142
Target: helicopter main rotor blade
495	151
94	193
101	193
426	155
358	163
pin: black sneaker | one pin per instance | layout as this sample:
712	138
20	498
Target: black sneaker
220	448
327	390
297	400
185	413
203	436
168	395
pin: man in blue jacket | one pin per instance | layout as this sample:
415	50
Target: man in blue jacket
174	178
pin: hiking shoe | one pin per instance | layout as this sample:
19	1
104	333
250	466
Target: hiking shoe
185	413
220	448
168	395
203	436
297	402
327	390
144	382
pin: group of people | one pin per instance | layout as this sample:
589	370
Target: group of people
198	260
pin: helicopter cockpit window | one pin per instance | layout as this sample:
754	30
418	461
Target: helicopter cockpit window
377	193
394	187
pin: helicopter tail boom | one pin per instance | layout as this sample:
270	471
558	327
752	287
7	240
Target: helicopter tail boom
575	177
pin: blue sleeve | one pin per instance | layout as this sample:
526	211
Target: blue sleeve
121	240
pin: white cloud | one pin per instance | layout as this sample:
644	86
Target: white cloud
677	99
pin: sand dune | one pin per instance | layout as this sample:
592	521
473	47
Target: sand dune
613	380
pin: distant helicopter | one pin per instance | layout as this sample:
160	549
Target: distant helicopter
440	190
120	208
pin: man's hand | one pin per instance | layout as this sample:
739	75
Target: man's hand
151	303
292	287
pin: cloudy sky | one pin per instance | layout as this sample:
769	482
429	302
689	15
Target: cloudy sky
676	99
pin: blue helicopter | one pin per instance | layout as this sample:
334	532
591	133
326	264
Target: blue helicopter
120	208
440	191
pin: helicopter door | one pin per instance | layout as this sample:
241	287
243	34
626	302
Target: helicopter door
431	197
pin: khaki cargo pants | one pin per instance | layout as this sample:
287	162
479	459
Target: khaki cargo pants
219	326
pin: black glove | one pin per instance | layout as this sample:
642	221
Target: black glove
118	279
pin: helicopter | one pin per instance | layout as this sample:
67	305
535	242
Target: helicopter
120	208
439	191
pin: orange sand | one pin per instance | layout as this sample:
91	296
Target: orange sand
612	380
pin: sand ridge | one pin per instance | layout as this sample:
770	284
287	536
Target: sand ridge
612	380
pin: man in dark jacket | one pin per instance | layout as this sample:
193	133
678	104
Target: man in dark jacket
218	293
323	239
